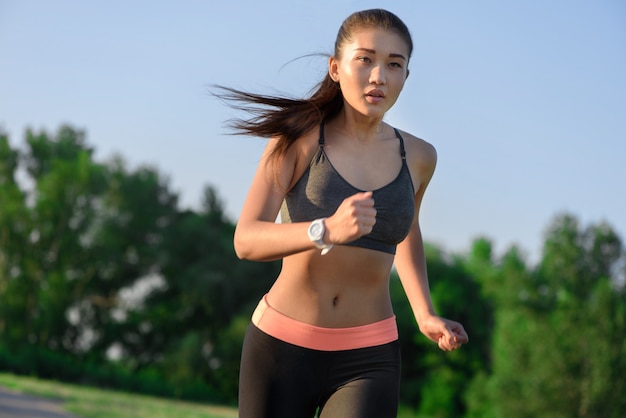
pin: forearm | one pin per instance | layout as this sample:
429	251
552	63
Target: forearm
411	266
410	263
269	241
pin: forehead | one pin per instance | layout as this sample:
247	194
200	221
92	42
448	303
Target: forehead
377	39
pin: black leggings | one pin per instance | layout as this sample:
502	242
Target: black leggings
282	380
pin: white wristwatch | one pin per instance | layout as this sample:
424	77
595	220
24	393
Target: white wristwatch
316	235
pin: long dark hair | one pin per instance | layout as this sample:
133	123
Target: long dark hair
289	119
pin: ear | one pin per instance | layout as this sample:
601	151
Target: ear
333	71
407	74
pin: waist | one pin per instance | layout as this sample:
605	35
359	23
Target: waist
289	330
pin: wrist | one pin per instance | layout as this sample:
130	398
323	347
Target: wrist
317	234
422	315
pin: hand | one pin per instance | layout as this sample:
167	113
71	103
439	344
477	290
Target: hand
354	218
449	335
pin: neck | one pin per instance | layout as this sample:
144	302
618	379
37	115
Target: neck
358	126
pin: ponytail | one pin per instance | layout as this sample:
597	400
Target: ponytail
284	118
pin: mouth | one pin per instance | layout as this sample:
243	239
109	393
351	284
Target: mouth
376	94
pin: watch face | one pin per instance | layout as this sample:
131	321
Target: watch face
316	230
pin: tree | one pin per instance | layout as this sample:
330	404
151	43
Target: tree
97	259
14	230
559	341
126	247
207	290
47	224
81	234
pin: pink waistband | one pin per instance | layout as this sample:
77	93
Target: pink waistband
287	329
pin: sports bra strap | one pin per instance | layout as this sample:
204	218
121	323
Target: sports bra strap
321	140
402	151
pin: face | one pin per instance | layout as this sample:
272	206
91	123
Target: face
371	70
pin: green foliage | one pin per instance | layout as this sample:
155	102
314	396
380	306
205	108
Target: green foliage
559	339
97	257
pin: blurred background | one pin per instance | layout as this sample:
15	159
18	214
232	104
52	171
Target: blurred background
120	188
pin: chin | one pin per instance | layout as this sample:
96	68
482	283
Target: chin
372	113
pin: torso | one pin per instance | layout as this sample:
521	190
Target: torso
349	286
322	188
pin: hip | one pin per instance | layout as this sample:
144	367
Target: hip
290	330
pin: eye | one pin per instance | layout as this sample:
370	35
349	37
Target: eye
364	59
395	65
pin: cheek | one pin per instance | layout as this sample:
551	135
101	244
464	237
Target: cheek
399	82
349	74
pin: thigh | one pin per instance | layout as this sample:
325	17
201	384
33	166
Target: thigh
277	379
371	385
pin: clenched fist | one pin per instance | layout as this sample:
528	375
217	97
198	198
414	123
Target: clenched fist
354	218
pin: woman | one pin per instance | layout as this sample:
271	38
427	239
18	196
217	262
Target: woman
348	188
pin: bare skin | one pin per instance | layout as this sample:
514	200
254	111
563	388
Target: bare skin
349	286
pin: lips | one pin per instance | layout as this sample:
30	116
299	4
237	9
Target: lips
376	93
375	96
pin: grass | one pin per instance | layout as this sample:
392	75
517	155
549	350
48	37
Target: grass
87	402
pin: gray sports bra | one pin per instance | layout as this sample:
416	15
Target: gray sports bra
321	189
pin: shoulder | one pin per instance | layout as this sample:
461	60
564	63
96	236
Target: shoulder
421	155
291	163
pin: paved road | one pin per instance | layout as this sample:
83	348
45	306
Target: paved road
17	405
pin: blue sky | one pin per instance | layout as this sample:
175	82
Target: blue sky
525	101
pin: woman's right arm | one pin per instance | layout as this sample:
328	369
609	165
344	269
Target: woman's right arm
257	236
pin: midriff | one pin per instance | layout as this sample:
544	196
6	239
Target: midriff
336	290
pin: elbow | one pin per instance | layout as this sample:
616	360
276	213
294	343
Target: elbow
246	245
243	254
242	246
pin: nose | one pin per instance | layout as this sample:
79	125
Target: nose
377	75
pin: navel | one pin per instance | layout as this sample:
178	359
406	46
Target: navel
335	301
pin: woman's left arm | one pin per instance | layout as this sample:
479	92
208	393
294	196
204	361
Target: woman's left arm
410	260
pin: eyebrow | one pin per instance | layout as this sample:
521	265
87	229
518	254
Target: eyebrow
371	51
